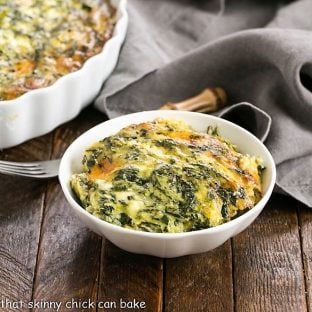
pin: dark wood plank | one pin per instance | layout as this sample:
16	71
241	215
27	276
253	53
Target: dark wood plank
200	282
305	222
268	267
69	253
268	271
130	278
21	206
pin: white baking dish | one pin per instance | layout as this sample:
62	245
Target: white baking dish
167	244
40	111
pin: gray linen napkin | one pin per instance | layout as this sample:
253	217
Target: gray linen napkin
174	49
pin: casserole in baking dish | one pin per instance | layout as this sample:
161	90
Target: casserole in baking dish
53	61
163	176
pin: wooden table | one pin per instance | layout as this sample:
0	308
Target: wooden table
47	257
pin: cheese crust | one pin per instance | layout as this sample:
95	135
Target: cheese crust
162	176
43	40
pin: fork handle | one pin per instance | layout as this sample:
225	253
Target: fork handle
208	101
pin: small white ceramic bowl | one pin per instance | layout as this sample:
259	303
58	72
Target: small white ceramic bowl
39	111
167	244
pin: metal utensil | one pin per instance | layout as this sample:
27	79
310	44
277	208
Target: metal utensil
36	169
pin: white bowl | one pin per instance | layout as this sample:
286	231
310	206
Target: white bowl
167	244
39	111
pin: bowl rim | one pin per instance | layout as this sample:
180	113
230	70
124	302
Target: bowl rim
122	17
115	228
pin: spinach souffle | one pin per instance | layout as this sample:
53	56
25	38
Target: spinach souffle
43	40
162	176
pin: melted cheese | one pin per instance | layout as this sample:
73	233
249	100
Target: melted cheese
162	176
42	40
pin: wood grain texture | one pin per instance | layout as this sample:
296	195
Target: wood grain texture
305	222
47	254
69	254
268	272
128	277
200	282
21	206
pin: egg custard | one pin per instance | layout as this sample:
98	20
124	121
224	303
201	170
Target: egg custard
43	40
162	176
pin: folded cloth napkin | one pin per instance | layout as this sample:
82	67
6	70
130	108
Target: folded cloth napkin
174	49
